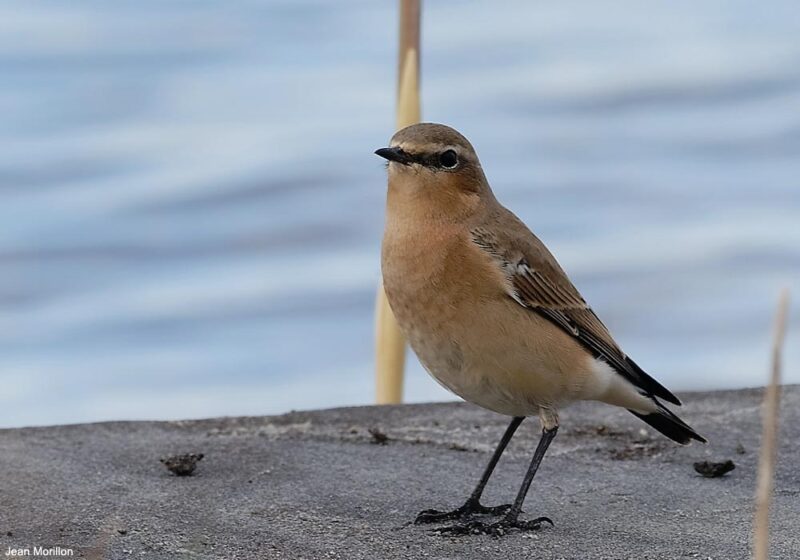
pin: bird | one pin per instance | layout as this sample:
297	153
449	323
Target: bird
491	314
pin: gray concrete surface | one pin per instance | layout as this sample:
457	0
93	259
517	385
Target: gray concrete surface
313	485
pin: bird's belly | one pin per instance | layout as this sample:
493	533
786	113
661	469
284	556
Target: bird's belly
485	390
509	372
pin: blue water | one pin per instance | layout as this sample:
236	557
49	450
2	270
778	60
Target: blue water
190	211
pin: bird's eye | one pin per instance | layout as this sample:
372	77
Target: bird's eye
448	159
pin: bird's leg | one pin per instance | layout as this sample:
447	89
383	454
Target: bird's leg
511	519
473	504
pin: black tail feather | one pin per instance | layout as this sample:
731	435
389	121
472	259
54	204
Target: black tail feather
670	425
652	386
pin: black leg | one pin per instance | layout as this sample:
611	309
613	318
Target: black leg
511	519
541	449
473	503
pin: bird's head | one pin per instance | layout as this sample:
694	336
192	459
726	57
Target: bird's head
435	165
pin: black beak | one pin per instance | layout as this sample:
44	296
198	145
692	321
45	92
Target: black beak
394	154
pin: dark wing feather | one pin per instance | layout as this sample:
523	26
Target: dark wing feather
539	284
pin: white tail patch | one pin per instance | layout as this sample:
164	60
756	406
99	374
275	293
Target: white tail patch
606	385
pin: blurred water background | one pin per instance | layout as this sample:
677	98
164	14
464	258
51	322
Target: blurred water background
190	210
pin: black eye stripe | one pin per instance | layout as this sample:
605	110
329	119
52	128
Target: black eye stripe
434	160
430	160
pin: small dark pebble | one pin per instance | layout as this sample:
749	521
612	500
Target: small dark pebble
9	534
714	470
122	531
740	449
182	465
378	437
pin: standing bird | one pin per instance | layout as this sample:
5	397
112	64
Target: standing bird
491	314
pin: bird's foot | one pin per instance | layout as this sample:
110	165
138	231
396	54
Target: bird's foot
497	529
472	507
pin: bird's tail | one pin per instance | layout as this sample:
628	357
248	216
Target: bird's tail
670	425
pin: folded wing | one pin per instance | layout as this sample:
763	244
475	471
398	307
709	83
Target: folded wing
538	283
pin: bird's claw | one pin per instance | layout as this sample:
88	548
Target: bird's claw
467	510
497	529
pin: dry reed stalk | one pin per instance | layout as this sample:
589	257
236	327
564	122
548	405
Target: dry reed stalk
390	344
769	437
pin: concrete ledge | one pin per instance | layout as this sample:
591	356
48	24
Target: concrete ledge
315	485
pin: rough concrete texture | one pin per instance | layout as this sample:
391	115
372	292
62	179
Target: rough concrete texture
314	485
